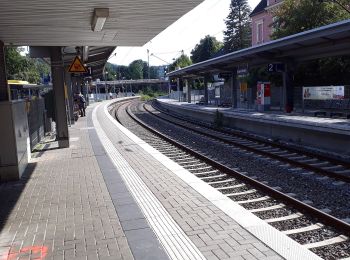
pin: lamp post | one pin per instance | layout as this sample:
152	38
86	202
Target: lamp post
106	72
337	2
115	78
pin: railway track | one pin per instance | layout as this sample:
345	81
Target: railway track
330	167
323	234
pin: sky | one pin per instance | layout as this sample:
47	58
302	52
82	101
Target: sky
206	19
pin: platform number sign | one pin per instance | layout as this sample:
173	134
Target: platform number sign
89	72
275	67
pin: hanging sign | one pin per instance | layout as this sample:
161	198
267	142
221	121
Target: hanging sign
275	67
77	66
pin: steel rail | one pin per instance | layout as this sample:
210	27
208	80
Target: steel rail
256	139
261	152
320	215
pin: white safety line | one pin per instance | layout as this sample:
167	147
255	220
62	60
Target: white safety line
276	240
176	243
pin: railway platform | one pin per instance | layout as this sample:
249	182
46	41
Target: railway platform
112	196
329	134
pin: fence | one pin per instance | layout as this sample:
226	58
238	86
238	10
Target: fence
36	120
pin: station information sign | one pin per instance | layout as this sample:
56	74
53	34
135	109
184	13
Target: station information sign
323	93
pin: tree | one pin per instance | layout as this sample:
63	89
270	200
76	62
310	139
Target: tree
238	33
111	70
181	62
295	16
123	72
136	69
22	67
205	49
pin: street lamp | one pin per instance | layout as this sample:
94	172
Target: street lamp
106	72
337	2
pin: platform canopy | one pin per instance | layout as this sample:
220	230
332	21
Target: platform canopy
68	22
327	41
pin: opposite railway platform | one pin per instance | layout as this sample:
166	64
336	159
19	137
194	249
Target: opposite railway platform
324	133
112	196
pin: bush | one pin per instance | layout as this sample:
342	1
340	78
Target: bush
149	94
146	98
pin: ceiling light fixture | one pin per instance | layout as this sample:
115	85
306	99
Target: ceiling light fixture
99	19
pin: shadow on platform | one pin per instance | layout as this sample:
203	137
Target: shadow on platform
10	192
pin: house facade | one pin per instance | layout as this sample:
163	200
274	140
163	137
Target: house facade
262	19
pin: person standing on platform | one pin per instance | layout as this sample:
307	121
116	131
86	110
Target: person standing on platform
82	103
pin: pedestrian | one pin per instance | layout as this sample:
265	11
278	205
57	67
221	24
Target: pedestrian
82	103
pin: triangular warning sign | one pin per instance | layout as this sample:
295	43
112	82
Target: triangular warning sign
77	66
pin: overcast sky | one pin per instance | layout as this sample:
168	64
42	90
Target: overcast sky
206	19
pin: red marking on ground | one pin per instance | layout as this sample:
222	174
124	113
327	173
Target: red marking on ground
39	251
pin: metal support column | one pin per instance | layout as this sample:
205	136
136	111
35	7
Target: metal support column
288	95
57	69
206	96
233	85
69	85
4	91
189	87
79	87
178	87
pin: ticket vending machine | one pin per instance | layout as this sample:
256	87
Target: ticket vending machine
263	96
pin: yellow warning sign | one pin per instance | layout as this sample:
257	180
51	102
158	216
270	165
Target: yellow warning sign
77	66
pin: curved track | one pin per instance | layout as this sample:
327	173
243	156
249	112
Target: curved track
322	233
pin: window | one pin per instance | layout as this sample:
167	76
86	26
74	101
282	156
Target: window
259	32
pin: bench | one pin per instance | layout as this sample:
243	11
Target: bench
335	108
226	104
201	102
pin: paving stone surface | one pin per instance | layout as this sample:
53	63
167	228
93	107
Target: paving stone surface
61	208
215	234
70	204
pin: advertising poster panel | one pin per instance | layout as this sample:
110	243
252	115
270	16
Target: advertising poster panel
323	93
267	94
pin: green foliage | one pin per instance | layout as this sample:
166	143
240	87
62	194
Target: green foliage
111	70
136	69
181	62
24	68
123	72
295	16
205	49
133	71
326	71
218	119
238	33
149	94
261	74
